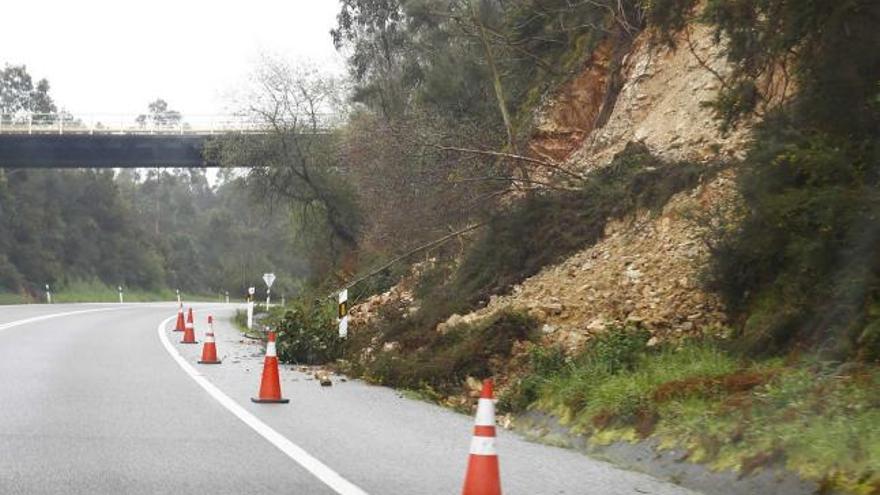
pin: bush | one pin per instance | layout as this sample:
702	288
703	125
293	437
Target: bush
466	350
803	265
307	333
543	364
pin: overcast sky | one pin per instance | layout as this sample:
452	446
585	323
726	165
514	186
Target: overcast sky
115	56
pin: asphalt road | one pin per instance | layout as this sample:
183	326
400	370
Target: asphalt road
103	399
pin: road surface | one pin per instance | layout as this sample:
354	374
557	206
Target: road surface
101	399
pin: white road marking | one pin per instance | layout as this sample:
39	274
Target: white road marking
320	470
55	315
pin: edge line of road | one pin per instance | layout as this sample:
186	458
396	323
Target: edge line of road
318	469
34	319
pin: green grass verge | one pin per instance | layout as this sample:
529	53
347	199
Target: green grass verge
13	298
91	291
819	419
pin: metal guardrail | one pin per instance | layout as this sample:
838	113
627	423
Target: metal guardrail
62	123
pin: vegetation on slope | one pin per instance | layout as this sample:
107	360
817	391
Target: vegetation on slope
795	381
818	418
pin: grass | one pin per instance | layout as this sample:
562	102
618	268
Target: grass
14	298
239	319
819	419
93	291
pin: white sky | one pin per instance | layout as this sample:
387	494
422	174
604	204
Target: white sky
115	56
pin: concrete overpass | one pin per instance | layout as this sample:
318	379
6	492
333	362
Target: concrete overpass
102	150
63	141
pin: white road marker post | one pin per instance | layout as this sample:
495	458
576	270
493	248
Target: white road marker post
269	278
343	313
178	295
48	295
227	297
120	295
250	307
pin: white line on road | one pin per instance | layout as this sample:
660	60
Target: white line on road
55	315
320	470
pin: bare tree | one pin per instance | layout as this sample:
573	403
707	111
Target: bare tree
297	160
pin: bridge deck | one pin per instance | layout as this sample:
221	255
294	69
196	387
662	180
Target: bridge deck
102	150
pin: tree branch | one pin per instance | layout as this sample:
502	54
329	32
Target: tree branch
498	154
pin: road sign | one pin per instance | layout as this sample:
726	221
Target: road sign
252	290
269	278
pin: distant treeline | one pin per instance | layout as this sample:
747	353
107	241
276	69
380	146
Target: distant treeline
144	229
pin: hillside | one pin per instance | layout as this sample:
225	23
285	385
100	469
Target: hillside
652	223
647	272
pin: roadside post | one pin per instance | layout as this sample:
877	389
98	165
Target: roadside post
178	295
120	295
269	278
250	307
48	295
343	313
227	297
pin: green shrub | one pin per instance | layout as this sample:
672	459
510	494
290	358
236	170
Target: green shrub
446	360
803	266
543	364
616	350
307	333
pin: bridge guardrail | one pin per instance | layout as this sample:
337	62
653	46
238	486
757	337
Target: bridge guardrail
64	123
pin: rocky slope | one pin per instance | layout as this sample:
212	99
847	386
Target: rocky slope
646	268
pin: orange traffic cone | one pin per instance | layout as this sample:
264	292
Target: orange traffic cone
209	350
189	331
270	386
180	324
482	476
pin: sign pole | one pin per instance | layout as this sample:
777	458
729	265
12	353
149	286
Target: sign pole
250	308
269	278
342	317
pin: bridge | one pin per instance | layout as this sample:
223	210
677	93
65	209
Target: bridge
30	140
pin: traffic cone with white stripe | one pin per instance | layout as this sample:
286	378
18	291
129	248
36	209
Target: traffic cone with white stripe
270	386
189	331
209	350
483	476
179	327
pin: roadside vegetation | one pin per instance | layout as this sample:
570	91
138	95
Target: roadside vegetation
818	418
96	291
437	122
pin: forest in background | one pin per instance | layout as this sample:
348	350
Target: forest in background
147	230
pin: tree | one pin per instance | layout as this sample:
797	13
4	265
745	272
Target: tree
297	161
159	116
19	96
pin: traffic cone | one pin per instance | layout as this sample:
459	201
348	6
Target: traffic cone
482	476
179	327
270	386
209	350
189	331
